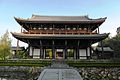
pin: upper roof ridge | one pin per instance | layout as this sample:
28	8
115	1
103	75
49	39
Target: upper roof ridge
34	15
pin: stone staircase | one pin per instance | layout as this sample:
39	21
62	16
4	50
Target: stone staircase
59	65
59	70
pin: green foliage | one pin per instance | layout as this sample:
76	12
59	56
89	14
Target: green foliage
5	46
114	43
70	53
49	53
22	54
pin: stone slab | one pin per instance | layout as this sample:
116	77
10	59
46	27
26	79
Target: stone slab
59	74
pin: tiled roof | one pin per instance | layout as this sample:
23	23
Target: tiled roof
60	19
104	49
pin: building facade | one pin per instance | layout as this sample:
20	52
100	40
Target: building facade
65	37
107	54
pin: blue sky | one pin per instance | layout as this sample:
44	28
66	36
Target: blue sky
25	8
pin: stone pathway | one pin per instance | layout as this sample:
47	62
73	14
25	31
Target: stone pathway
59	71
59	64
59	74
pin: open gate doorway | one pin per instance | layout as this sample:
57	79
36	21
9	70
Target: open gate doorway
59	53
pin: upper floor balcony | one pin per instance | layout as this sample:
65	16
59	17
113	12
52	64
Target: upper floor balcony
54	31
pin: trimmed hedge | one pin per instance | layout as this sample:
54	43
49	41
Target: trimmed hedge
75	63
93	64
38	63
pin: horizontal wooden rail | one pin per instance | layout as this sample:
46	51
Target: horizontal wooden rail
60	32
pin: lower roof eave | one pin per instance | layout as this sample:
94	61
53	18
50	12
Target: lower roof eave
26	37
57	36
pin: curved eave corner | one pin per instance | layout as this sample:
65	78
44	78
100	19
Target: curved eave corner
14	35
20	20
103	19
106	35
100	20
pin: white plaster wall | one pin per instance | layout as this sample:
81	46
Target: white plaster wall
44	53
30	53
88	49
83	57
74	54
82	52
36	53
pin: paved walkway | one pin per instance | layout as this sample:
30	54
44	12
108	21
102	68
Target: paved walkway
59	70
59	74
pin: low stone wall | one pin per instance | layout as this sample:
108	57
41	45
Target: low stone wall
100	73
87	73
21	73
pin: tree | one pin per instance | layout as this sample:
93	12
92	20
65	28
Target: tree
114	43
5	46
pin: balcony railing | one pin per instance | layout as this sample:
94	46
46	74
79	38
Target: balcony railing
60	32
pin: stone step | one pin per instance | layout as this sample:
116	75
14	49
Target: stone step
59	74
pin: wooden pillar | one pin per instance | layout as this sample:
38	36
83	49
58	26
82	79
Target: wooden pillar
32	51
90	50
77	53
102	47
44	53
78	27
53	29
29	48
64	53
78	50
53	50
87	53
41	50
65	49
74	53
65	29
98	31
17	47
